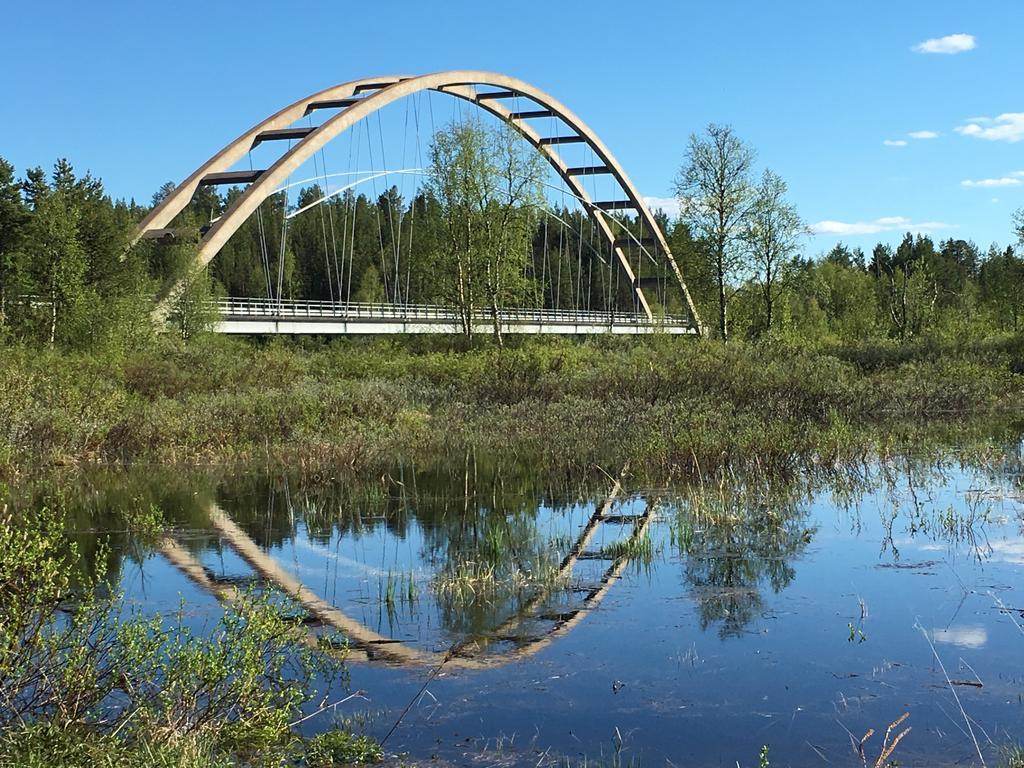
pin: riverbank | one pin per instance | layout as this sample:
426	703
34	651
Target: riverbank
671	406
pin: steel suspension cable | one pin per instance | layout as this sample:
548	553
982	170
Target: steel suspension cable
395	245
330	217
412	207
264	252
323	231
376	209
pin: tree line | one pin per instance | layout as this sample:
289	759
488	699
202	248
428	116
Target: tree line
742	242
481	236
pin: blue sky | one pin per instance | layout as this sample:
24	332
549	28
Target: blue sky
144	92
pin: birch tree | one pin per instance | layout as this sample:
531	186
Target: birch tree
488	183
772	236
715	196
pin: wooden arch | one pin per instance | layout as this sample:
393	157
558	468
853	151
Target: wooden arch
360	98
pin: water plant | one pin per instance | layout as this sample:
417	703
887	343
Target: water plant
639	549
332	748
1012	757
396	589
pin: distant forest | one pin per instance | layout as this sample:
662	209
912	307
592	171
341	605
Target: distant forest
67	276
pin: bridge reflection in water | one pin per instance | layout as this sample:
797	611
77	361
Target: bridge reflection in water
272	316
368	645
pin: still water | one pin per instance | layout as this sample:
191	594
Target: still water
526	619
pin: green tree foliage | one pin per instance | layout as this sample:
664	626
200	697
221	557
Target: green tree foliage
13	215
371	289
488	185
480	237
57	262
1002	287
66	278
716	194
771	234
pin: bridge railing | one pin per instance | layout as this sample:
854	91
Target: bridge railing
242	308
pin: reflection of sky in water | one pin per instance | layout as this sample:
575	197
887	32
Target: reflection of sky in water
743	636
962	636
1009	550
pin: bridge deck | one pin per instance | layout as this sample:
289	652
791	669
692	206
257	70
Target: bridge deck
263	316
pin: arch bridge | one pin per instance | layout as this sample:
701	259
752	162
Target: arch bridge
512	101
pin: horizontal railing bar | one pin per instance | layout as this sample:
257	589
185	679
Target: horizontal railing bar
588	170
344	103
529	114
496	95
279	134
316	308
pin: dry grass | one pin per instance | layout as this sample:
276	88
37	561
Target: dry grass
889	743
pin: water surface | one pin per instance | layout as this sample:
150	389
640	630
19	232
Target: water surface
693	626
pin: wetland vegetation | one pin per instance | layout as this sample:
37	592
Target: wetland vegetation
672	407
738	540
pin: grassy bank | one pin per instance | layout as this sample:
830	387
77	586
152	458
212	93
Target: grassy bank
669	405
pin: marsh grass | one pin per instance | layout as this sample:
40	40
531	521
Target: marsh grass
334	748
46	746
639	550
1012	757
467	582
674	406
398	589
889	743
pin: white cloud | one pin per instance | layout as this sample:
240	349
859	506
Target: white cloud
669	205
1008	126
1004	181
895	143
962	637
884	224
923	135
949	44
1017	173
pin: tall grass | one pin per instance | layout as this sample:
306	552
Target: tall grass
671	404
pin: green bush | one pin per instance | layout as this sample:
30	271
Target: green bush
341	748
83	681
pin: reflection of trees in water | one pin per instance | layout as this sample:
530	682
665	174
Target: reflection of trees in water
107	512
481	532
478	520
435	496
1007	470
735	545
